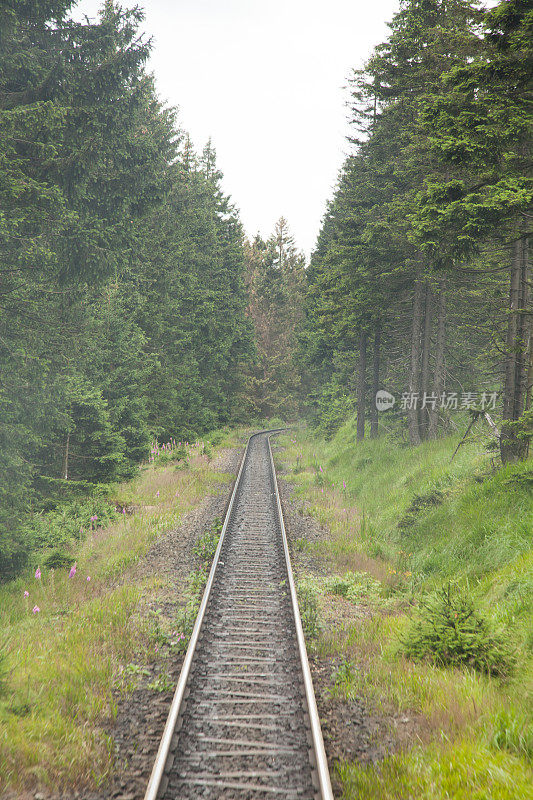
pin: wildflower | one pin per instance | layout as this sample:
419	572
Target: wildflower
26	594
72	570
38	573
157	493
94	517
344	484
36	609
123	510
88	578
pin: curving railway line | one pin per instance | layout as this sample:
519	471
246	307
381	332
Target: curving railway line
243	723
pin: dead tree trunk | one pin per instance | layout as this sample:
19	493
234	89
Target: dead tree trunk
440	360
374	414
412	408
361	386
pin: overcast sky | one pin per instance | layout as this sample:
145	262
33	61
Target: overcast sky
265	80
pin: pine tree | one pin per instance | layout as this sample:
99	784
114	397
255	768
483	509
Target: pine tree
275	281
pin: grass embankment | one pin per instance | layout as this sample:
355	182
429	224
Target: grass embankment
418	536
71	642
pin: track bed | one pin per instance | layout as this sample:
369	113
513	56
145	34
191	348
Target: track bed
244	729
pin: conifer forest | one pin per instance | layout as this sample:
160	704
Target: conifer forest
145	335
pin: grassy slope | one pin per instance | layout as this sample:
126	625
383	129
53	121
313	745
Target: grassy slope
464	521
62	664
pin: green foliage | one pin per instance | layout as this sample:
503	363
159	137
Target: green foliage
162	683
450	631
3	669
333	406
122	298
70	521
204	550
483	524
354	586
308	611
418	504
461	770
58	559
513	732
275	284
216	438
431	204
206	546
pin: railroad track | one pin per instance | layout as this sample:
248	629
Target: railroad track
243	723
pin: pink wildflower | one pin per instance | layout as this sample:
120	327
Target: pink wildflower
344	484
38	573
72	570
88	577
157	493
36	609
26	594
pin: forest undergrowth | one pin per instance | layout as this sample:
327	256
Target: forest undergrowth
74	634
438	556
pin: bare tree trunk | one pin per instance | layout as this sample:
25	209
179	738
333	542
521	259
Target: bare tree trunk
521	367
65	458
511	448
423	416
530	366
512	329
440	360
374	414
361	386
412	410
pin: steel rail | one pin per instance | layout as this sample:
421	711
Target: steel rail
164	746
314	720
158	769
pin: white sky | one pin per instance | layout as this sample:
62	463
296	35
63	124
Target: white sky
264	79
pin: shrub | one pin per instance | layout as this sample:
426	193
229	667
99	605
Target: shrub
58	560
450	632
216	438
206	546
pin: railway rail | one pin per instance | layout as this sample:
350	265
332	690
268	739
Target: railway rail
243	723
